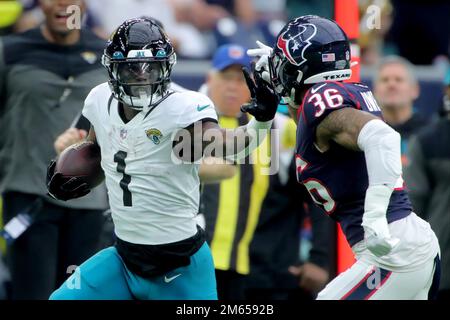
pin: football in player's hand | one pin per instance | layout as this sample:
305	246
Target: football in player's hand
81	160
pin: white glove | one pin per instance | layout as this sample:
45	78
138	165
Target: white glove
377	237
262	65
376	231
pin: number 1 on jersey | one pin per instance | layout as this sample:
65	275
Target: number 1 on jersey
119	157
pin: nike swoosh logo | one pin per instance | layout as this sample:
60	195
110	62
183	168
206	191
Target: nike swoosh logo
167	280
202	107
314	90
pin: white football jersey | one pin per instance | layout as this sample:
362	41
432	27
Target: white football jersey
153	199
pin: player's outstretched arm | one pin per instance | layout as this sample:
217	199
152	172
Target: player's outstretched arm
359	130
208	139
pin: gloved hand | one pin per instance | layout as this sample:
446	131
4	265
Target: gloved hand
265	100
63	188
262	65
377	236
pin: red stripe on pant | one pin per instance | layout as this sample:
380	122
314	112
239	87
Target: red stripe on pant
378	287
358	284
361	294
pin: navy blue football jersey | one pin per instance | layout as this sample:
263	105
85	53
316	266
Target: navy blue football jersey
337	179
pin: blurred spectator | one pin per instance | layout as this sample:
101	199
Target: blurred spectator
373	30
276	272
33	16
10	11
420	30
202	14
188	41
295	8
395	89
269	10
45	75
243	10
245	21
428	180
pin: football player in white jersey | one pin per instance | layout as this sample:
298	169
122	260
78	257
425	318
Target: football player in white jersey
138	122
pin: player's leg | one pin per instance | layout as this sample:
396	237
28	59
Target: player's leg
364	281
102	277
367	282
345	282
194	282
414	285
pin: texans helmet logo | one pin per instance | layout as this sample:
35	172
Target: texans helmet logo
296	37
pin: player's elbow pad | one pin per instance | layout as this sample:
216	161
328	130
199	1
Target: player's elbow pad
381	146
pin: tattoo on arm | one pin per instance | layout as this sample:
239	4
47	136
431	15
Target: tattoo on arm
343	127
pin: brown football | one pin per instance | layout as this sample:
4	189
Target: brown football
81	160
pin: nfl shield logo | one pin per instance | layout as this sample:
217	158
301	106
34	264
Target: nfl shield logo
123	133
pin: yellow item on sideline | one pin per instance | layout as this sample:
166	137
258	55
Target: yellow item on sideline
10	11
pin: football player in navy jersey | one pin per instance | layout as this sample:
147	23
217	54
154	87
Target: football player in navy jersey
349	160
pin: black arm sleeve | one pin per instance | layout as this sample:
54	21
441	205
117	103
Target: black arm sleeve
83	123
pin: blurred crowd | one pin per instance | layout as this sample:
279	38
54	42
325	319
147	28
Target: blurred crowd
286	250
417	31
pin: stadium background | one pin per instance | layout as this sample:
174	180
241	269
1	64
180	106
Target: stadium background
261	19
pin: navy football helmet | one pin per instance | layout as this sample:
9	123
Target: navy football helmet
139	58
309	49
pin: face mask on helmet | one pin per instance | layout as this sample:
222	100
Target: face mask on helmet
284	75
139	77
139	83
139	59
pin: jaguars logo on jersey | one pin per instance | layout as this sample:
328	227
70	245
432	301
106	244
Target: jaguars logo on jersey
154	134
